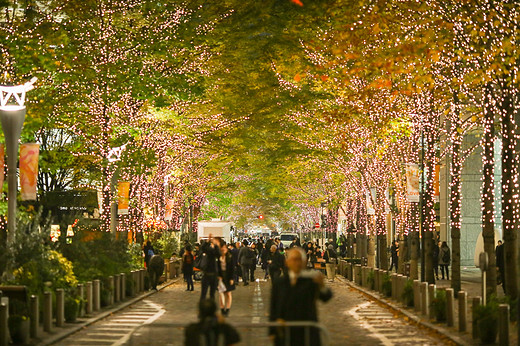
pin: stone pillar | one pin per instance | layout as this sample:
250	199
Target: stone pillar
112	290
475	303
450	307
463	311
117	288
503	324
393	278
4	330
47	312
425	301
143	274
417	295
81	294
60	307
88	305
123	286
401	281
432	290
34	315
96	286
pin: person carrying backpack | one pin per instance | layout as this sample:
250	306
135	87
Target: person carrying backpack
445	259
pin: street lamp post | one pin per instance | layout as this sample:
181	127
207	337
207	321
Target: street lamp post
12	116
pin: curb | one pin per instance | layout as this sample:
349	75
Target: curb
52	339
416	319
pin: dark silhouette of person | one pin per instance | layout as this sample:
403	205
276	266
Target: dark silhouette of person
499	252
155	270
293	298
210	330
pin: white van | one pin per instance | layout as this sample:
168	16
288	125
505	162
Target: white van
287	238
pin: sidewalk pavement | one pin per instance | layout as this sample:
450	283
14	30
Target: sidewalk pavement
60	333
471	282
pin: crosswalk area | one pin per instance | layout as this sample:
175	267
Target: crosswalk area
116	330
389	328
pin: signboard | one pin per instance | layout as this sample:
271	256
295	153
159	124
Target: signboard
412	182
123	200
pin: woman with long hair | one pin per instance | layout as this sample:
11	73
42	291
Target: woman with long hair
226	273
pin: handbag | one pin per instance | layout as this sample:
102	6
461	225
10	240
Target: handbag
221	286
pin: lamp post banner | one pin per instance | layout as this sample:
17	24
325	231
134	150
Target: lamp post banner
123	199
168	213
29	154
412	182
2	170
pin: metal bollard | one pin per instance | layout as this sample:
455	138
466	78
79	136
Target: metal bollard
475	303
357	278
135	278
117	287
503	324
60	307
463	311
34	316
47	312
364	275
4	330
450	307
112	289
432	290
425	301
417	295
376	279
123	286
96	296
88	304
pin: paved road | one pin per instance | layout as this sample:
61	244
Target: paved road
350	317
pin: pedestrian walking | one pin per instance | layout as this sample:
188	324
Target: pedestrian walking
210	254
245	261
148	251
155	270
435	256
394	254
187	267
444	259
226	275
275	262
499	252
210	330
294	297
331	258
254	256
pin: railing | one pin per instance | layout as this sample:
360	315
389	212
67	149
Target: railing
250	333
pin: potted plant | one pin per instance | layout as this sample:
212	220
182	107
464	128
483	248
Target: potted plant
438	306
387	285
486	322
72	306
408	295
19	328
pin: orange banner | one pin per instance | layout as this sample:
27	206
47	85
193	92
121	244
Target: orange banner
123	197
29	153
2	170
436	180
168	213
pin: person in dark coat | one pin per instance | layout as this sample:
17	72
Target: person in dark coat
148	252
245	261
210	249
394	252
226	273
445	259
211	330
187	267
499	251
155	270
275	262
293	298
